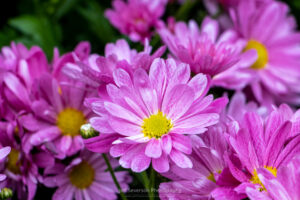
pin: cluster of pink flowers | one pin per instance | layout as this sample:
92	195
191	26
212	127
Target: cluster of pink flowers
156	112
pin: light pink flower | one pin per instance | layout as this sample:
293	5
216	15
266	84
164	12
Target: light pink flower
208	52
276	71
85	178
153	114
136	18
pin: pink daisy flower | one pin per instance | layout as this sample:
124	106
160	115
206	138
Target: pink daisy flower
153	114
261	143
136	18
85	178
96	70
19	67
208	52
286	185
276	70
58	114
208	172
21	167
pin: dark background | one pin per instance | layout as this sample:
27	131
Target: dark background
64	23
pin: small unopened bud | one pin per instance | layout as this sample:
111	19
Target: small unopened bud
87	131
6	193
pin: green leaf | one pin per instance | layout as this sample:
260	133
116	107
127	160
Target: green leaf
99	25
38	29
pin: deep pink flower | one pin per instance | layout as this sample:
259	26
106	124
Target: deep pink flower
21	167
136	18
58	113
286	184
208	172
261	143
208	52
96	70
85	178
153	113
276	71
19	67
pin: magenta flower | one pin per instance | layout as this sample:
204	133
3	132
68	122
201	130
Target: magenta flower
97	70
21	167
286	185
136	18
208	172
275	72
208	52
58	114
153	113
85	178
260	143
19	67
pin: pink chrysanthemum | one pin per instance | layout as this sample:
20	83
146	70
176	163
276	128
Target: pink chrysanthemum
153	113
208	52
21	167
262	143
136	18
276	70
19	67
208	172
85	178
286	184
58	114
97	70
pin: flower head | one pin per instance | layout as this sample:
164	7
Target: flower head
204	49
58	115
85	178
152	114
276	71
284	186
21	166
19	68
137	25
262	143
95	70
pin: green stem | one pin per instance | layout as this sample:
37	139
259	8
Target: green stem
152	184
114	177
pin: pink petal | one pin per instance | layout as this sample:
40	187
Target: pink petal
153	148
180	159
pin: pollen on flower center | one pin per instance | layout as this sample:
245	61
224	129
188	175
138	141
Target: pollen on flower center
69	121
156	125
12	163
255	179
262	53
82	175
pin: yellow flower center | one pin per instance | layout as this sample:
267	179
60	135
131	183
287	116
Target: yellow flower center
13	163
156	125
82	175
255	179
69	121
262	53
211	176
